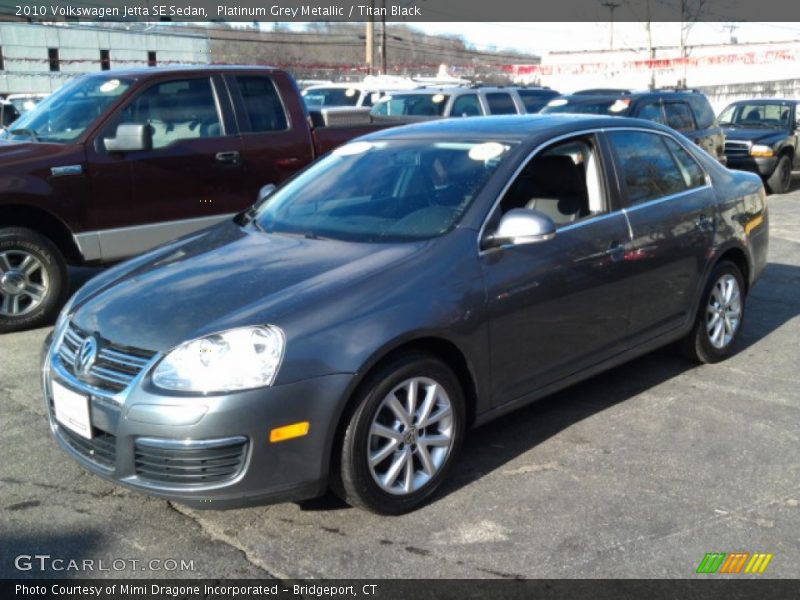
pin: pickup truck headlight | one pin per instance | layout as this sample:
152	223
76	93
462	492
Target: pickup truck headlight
237	359
761	151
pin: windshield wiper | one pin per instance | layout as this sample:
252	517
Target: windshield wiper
25	131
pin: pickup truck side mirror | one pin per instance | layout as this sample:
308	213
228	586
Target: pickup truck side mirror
522	226
130	137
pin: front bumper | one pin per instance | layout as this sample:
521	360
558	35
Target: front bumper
763	166
158	443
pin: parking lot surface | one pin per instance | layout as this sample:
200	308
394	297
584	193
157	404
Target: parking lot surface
635	473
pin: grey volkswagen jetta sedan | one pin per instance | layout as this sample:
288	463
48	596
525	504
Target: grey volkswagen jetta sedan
349	329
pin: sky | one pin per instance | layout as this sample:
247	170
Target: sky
549	37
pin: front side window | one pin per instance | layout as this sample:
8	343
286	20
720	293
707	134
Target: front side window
652	112
649	170
679	116
563	181
181	109
412	105
501	104
262	103
467	105
65	114
383	191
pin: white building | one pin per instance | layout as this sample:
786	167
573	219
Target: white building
41	57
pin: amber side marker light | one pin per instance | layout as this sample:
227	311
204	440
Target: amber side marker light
287	432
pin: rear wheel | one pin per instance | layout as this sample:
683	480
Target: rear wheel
719	317
33	279
402	437
781	179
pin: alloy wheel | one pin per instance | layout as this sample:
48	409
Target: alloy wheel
724	311
23	283
411	436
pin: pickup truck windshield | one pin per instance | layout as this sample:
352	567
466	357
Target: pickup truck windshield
382	191
64	115
416	105
756	114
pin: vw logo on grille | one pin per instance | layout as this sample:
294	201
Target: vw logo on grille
86	355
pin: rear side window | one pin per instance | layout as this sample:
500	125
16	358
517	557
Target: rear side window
692	174
679	117
467	105
703	112
501	103
262	103
648	168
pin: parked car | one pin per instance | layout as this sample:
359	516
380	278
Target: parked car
414	283
687	111
8	114
361	94
26	101
117	162
762	136
458	101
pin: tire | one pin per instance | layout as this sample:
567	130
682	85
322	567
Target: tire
780	180
356	480
33	279
710	340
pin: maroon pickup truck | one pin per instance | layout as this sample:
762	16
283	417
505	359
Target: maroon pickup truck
117	162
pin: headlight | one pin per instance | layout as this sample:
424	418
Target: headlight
761	150
237	359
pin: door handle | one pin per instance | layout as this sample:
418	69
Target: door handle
287	162
616	250
229	158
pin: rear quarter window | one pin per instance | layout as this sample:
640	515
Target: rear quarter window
501	103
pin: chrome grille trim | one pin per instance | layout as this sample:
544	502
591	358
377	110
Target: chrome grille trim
114	371
190	463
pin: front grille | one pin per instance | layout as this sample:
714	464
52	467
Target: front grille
115	367
737	149
190	463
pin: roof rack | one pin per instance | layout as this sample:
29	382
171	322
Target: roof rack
601	91
677	89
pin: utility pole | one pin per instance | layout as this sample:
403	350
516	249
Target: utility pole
383	39
370	44
650	53
611	6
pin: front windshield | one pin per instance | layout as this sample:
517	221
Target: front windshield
381	191
597	107
415	105
64	115
756	114
331	96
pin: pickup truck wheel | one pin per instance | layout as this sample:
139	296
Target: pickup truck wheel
719	317
33	279
402	437
781	179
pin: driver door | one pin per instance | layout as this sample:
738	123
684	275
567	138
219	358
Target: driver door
557	307
190	178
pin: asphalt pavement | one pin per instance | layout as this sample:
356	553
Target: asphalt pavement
635	473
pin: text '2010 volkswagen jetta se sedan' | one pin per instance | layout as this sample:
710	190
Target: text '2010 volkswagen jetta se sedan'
348	330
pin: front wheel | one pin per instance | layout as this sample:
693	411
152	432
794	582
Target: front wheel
719	317
33	279
402	437
781	179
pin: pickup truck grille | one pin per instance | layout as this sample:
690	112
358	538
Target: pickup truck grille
191	462
115	366
737	148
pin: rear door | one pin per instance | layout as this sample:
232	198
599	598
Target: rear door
670	207
188	179
275	135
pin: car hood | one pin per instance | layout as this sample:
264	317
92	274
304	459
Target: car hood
756	135
227	276
12	152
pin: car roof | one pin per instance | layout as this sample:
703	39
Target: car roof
510	128
766	101
624	94
136	72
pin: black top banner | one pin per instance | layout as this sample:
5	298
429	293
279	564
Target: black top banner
399	10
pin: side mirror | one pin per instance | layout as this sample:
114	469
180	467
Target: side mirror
522	226
265	192
130	137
